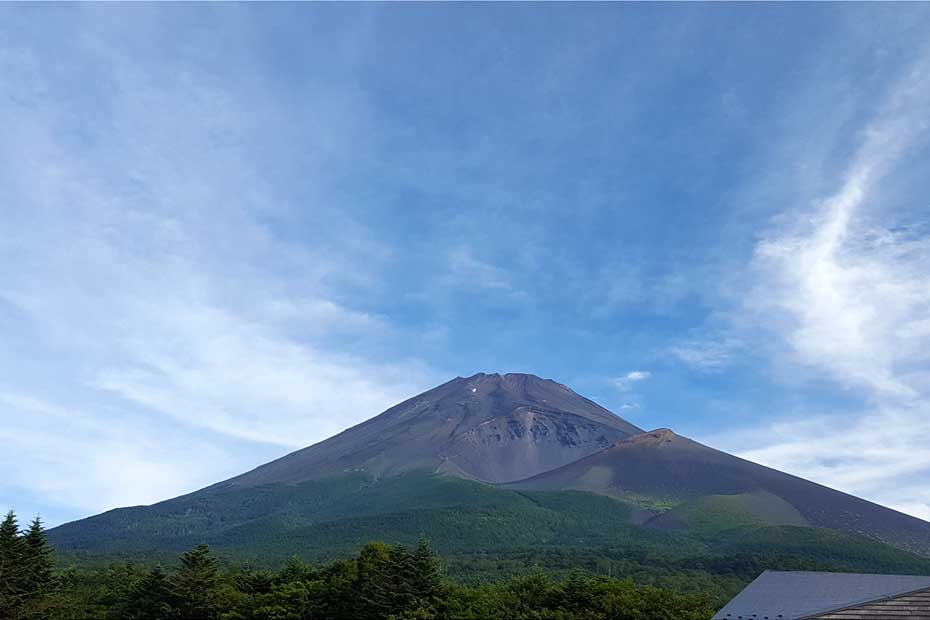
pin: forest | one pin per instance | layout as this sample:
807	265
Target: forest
380	581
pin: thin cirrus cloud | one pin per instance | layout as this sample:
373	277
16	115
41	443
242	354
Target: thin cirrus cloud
244	382
709	354
153	318
466	270
849	299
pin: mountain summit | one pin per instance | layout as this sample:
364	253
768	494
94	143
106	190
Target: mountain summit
488	427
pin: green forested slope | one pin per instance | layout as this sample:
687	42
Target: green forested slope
714	545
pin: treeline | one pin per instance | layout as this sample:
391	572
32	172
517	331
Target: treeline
381	582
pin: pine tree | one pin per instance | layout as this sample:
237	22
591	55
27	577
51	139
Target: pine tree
427	578
149	598
251	581
11	567
194	585
296	570
390	590
37	561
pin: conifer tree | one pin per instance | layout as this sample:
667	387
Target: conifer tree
252	581
11	566
296	570
9	531
37	560
427	578
194	585
391	590
149	598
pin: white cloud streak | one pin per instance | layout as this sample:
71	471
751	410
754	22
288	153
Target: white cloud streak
627	381
851	299
207	367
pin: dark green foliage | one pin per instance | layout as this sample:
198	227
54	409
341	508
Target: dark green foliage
193	586
296	570
590	558
11	567
382	582
324	516
27	585
427	579
487	533
386	583
252	581
538	596
37	564
191	592
149	598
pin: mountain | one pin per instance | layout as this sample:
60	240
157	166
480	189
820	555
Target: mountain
490	428
662	469
493	428
499	470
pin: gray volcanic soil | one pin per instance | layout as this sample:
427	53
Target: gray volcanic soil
494	428
663	465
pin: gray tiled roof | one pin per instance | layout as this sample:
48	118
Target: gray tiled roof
800	594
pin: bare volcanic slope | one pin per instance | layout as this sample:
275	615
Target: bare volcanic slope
488	427
664	469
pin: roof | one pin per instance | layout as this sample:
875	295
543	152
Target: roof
792	595
910	606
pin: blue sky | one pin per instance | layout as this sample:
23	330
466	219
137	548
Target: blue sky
229	231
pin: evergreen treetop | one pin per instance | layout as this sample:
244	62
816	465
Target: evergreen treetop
149	598
194	584
37	558
11	566
428	582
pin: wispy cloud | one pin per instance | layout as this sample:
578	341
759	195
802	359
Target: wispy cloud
153	274
849	297
627	381
466	270
207	367
709	354
73	461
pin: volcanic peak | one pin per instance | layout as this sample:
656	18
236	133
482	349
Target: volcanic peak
489	427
